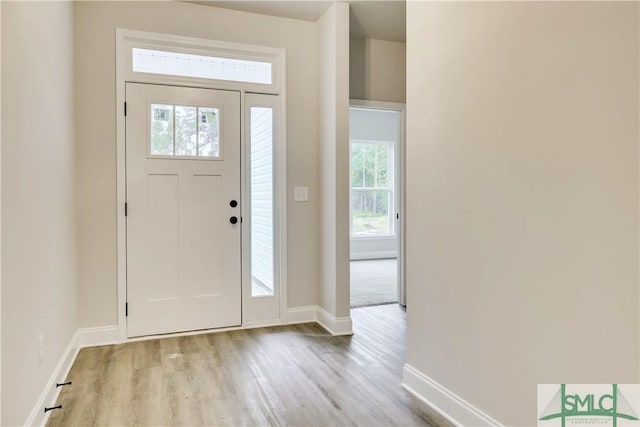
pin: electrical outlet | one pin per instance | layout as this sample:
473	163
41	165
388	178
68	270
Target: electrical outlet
40	349
301	194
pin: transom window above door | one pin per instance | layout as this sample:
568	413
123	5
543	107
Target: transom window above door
201	66
184	131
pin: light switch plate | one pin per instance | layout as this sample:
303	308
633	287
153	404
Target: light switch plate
301	194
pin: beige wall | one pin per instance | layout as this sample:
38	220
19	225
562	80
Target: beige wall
333	156
95	26
377	70
39	286
522	198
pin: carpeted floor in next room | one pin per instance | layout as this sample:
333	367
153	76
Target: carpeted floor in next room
373	282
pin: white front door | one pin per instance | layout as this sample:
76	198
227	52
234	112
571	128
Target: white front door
183	212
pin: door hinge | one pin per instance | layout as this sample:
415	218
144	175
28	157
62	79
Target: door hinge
126	209
126	308
125	109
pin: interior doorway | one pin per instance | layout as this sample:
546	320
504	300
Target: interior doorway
376	133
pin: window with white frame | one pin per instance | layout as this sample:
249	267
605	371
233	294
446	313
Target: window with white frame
372	198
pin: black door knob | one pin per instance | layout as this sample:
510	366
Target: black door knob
233	220
233	203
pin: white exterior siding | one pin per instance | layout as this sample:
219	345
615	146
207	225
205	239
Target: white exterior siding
262	195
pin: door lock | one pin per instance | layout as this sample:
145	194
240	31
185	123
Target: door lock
233	203
233	220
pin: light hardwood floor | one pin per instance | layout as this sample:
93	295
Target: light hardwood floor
292	375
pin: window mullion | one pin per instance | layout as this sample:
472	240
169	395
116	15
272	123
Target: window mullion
197	131
174	129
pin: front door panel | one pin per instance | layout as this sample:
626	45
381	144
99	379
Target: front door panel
183	171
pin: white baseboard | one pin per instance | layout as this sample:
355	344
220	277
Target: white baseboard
445	402
87	337
334	325
307	314
49	395
253	324
93	337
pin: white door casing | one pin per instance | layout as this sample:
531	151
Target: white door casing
183	252
400	185
263	128
126	40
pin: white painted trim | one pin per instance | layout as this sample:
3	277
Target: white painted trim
365	238
402	232
295	315
638	118
268	307
1	208
378	105
358	256
49	395
281	192
206	47
336	326
87	337
307	314
260	324
123	40
451	406
93	337
121	185
314	314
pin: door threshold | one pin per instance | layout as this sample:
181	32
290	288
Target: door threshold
248	325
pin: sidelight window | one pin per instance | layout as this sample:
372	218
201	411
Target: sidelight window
262	226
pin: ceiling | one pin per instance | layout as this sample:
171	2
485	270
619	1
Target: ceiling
377	19
384	20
